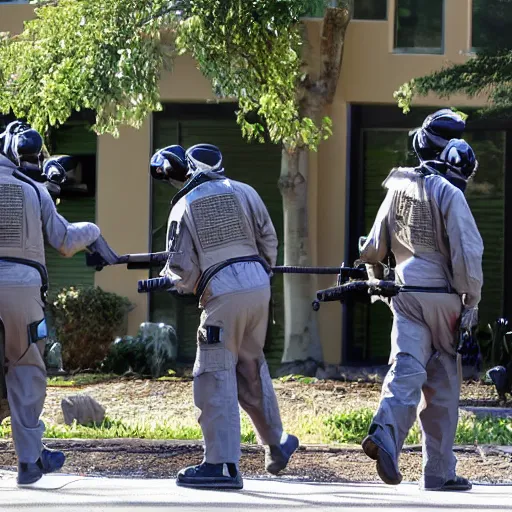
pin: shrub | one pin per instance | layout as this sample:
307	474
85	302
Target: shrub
152	352
495	343
86	320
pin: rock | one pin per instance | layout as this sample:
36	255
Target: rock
82	408
53	355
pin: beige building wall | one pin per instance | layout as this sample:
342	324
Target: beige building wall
123	211
371	73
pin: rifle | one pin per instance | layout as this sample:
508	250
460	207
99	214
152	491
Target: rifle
357	289
352	282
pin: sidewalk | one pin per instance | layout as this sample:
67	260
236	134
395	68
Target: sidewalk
130	495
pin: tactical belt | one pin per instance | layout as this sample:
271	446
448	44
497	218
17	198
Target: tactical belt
427	289
38	266
208	274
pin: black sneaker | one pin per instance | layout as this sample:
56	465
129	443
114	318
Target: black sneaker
458	483
278	456
28	473
387	465
50	460
210	476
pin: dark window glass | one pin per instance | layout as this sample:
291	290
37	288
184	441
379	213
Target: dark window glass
419	25
370	9
486	198
382	150
316	8
492	24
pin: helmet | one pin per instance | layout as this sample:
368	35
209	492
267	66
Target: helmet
437	129
55	169
460	162
204	157
169	164
21	143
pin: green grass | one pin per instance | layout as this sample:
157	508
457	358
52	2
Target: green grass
351	427
144	429
88	379
80	379
298	378
340	428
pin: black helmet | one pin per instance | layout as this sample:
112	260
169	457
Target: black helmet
204	157
55	168
21	143
437	130
169	164
460	162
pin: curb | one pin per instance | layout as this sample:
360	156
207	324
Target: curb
497	412
129	444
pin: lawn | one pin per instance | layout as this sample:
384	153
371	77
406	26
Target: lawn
319	412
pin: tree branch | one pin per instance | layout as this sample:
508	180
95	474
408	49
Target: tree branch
335	25
175	7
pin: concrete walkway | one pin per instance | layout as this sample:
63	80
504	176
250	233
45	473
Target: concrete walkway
130	495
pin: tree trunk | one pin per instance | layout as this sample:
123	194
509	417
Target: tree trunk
302	344
302	349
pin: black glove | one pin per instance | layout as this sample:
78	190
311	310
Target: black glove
100	254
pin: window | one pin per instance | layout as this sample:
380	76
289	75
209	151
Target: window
492	24
486	198
382	150
419	26
77	200
316	9
370	9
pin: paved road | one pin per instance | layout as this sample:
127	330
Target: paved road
135	495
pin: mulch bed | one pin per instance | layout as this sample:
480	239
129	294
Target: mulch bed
162	459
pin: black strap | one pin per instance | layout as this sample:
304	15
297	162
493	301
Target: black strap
190	185
208	274
427	289
34	264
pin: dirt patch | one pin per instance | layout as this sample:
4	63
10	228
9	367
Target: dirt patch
145	459
141	400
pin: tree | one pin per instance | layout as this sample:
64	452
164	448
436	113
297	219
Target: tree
107	56
489	73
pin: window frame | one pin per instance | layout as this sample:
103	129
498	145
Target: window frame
419	50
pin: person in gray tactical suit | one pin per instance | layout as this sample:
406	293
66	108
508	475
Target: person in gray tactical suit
221	244
27	217
426	223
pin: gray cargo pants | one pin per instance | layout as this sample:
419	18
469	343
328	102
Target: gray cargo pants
423	381
26	371
230	368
